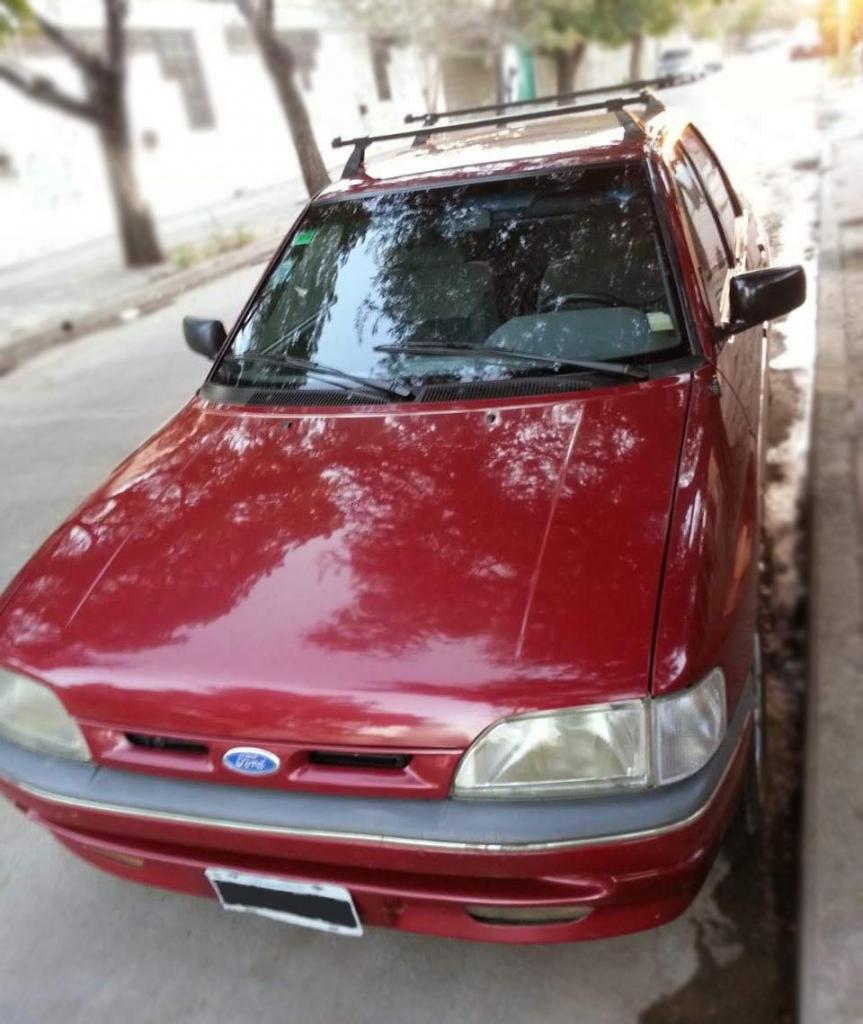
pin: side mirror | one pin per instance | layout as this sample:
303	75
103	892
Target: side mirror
761	295
205	337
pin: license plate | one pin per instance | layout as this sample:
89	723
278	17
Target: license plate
329	908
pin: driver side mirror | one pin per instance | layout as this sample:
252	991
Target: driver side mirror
205	337
761	295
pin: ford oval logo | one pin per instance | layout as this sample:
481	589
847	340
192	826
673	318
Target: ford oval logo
251	761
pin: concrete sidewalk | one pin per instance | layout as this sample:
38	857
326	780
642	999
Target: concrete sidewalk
831	979
59	297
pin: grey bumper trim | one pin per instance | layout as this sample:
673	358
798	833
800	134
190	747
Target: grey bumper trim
457	825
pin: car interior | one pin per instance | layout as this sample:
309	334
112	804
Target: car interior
569	273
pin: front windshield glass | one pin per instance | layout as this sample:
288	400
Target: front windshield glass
402	286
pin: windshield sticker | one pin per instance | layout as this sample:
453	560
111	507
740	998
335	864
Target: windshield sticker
660	322
303	237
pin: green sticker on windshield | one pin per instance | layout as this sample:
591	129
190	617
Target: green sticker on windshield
660	322
303	237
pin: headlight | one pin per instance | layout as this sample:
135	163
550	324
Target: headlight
628	745
31	714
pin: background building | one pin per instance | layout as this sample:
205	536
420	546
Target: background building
206	122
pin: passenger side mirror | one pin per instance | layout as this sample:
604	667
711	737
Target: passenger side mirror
205	337
761	295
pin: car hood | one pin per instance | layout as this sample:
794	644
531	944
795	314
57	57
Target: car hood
361	576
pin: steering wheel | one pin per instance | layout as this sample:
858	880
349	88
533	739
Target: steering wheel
577	300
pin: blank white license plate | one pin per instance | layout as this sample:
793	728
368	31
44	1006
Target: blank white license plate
329	908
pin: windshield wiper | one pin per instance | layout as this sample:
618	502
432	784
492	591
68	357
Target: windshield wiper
319	370
488	352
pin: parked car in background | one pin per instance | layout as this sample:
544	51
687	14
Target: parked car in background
436	608
760	41
679	65
807	49
806	42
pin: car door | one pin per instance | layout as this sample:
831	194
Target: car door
725	401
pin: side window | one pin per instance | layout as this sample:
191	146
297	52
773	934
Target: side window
710	252
714	182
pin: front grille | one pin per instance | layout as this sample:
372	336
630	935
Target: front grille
166	744
393	762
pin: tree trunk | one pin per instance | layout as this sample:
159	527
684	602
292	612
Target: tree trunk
134	221
567	63
279	62
635	56
103	108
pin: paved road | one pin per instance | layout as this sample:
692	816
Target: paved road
64	287
78	946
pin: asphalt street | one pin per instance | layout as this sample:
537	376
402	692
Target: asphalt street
78	946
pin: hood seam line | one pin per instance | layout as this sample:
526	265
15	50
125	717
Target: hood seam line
555	499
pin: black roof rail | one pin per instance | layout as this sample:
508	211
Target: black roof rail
640	85
615	104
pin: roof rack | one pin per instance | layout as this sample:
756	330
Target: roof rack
639	85
616	104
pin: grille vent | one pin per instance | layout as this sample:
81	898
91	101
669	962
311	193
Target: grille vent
314	396
502	389
166	743
394	762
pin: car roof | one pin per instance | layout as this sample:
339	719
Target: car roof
572	140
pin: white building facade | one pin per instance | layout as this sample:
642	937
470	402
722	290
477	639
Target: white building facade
207	124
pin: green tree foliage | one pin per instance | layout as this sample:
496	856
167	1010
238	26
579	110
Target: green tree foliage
828	20
563	28
747	16
15	17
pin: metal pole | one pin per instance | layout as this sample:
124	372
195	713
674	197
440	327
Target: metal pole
843	35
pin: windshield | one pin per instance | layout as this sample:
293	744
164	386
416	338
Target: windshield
676	55
428	285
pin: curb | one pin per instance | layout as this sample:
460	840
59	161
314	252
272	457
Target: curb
831	902
142	300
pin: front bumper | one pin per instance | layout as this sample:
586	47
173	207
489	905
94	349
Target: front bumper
636	860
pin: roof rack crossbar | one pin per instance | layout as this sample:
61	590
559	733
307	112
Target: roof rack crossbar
640	85
616	104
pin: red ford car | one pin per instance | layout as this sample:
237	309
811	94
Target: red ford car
435	608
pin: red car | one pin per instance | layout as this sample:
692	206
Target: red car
435	608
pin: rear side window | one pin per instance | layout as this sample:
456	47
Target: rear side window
714	182
710	251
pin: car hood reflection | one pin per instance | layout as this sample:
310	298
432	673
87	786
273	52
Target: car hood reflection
399	577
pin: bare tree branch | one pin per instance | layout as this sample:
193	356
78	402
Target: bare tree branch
43	90
248	10
79	55
260	14
115	17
